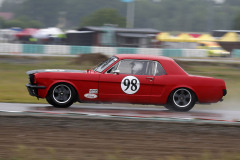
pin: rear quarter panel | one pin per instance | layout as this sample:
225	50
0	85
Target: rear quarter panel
207	89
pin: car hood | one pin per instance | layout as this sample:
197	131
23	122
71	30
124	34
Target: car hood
55	70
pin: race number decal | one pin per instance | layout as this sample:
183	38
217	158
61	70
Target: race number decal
130	85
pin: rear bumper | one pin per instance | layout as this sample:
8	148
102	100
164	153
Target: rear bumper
224	92
33	89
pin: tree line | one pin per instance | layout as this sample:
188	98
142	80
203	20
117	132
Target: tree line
165	15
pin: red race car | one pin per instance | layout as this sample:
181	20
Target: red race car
127	78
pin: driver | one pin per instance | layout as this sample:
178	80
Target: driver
136	67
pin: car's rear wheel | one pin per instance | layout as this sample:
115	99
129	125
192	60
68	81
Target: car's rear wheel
61	95
181	99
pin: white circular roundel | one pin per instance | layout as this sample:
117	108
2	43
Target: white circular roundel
130	84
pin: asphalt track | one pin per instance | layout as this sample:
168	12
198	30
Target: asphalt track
124	112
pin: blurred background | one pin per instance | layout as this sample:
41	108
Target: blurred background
164	15
167	24
201	35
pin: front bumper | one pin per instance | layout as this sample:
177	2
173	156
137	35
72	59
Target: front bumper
33	89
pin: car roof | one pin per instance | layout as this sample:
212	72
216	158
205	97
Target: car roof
143	57
170	66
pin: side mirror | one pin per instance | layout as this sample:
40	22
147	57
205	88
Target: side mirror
116	72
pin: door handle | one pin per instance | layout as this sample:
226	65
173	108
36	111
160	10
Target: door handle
150	78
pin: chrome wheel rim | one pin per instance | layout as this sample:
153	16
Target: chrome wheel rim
182	98
61	93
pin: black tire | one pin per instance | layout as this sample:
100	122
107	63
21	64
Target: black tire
168	107
181	99
61	95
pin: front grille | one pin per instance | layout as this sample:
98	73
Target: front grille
31	78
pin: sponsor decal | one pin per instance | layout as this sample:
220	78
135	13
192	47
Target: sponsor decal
130	85
93	91
90	96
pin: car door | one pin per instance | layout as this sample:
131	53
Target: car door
159	85
128	81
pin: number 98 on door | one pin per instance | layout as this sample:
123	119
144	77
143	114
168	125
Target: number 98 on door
130	85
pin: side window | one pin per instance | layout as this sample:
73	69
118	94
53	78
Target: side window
135	67
125	67
159	70
113	68
151	68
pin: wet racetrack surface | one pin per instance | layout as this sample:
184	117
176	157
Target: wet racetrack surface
114	111
93	131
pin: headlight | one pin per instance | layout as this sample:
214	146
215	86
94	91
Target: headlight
31	78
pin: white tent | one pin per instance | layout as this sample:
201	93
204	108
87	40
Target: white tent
47	32
75	31
7	35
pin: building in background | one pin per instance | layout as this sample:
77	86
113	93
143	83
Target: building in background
113	36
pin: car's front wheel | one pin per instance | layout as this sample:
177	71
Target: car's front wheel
61	95
181	99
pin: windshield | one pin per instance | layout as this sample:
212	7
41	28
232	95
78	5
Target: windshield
106	64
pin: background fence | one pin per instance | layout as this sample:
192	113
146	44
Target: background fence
8	48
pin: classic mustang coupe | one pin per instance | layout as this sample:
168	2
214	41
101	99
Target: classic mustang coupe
127	78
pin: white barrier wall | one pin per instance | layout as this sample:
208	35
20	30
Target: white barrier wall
56	49
8	48
194	53
151	51
109	51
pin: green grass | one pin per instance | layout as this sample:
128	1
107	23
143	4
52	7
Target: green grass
13	75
